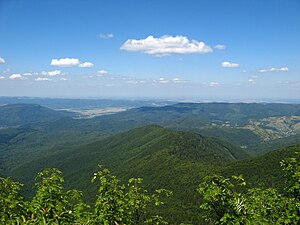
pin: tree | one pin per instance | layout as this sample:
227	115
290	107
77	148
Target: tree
224	204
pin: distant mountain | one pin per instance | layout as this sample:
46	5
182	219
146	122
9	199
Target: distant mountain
64	103
228	121
21	114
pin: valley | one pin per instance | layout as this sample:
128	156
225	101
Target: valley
171	147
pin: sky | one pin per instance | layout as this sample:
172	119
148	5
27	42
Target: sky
171	49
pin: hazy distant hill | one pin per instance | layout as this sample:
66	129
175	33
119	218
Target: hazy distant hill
65	103
183	114
242	124
20	114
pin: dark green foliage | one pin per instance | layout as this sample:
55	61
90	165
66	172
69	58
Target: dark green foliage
51	204
225	204
11	202
115	204
166	159
21	114
263	171
118	204
267	146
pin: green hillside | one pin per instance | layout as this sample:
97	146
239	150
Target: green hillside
164	158
19	146
20	114
263	171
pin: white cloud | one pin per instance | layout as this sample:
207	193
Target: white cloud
16	76
213	84
65	62
273	69
252	81
2	61
27	74
178	80
220	47
86	65
102	72
166	45
64	79
230	65
106	36
136	82
163	80
42	79
2	77
51	73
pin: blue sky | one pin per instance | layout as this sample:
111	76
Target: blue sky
156	49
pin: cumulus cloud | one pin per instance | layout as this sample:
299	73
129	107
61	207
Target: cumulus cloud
2	61
273	69
230	65
86	65
220	47
2	77
64	79
106	36
42	79
102	72
51	73
166	45
16	76
65	62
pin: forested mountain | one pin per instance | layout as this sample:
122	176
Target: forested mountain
245	125
172	147
21	114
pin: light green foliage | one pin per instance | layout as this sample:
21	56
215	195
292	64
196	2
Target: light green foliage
52	204
11	202
225	204
116	203
124	204
291	168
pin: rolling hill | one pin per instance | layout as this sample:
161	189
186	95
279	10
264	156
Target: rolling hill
21	114
164	158
245	125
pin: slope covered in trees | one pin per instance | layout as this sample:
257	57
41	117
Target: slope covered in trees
21	114
173	155
177	161
116	203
